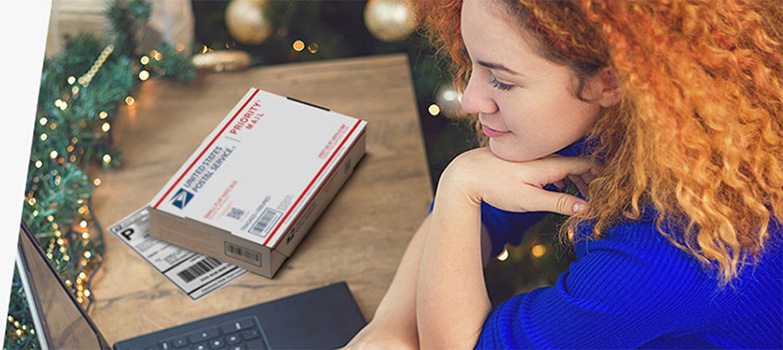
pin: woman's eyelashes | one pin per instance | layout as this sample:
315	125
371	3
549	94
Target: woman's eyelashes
499	85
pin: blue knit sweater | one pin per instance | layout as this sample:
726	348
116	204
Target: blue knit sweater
634	289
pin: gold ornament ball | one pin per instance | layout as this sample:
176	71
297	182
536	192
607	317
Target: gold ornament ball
390	20
220	61
248	21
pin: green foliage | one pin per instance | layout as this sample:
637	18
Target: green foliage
174	65
19	311
126	22
81	89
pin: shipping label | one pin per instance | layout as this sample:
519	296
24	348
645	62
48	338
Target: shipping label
195	274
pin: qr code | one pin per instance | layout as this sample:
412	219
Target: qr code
236	213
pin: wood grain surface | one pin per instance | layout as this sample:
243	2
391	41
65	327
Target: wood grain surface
359	238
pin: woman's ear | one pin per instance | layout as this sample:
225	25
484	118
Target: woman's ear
605	87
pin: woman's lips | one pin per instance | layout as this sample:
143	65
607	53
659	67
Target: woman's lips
490	132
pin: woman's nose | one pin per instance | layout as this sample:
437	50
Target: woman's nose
477	97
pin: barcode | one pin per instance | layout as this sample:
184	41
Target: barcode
243	254
236	213
202	267
267	219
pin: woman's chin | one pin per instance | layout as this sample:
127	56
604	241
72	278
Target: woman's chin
511	154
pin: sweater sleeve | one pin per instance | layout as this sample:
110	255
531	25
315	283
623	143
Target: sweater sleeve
625	290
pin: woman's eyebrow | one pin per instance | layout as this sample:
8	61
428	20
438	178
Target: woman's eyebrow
498	66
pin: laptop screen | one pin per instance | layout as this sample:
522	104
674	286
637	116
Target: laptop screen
59	321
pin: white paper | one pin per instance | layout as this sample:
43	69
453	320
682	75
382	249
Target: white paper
195	274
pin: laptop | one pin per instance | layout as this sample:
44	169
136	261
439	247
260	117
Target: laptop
322	318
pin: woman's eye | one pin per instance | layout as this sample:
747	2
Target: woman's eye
498	85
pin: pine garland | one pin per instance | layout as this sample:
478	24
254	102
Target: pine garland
81	89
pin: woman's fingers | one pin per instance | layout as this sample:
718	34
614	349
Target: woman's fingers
581	183
558	169
556	202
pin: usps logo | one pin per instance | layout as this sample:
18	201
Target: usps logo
181	199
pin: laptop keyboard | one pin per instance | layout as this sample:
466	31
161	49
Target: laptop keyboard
243	334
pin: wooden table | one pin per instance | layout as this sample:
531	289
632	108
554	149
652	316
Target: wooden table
360	237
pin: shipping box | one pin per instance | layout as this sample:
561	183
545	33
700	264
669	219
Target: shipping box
251	191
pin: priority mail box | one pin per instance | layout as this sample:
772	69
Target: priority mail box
251	191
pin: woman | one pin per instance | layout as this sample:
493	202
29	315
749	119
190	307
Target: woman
675	110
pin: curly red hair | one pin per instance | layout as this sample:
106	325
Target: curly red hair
698	134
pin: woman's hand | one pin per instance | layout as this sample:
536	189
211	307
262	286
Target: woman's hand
480	176
451	300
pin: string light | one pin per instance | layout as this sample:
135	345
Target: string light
313	48
43	120
38	164
105	127
130	100
156	55
106	158
101	115
180	46
144	75
538	250
44	137
97	182
434	109
53	154
298	45
71	80
503	256
144	60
